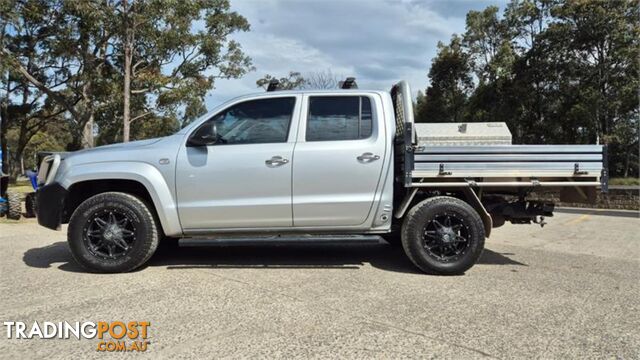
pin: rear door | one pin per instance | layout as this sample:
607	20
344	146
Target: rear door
338	160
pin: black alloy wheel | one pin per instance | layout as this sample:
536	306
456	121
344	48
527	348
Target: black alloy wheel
109	234
446	237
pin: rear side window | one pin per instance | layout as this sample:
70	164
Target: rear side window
339	118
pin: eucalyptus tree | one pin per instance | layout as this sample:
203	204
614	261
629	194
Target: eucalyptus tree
70	61
451	84
153	58
172	52
554	71
24	109
293	80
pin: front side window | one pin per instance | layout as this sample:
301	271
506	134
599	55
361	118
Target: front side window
251	122
339	118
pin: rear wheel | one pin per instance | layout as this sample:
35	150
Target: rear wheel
14	205
112	232
443	235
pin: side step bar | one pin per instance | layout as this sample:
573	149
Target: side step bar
280	240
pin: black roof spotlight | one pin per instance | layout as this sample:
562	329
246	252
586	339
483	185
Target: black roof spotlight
349	83
273	85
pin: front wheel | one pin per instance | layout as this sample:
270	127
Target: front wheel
443	235
112	232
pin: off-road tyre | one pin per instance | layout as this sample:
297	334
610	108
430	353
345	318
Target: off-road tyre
420	232
84	233
14	205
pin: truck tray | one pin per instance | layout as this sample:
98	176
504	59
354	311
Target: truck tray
573	161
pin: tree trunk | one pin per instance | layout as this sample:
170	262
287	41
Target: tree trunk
128	44
18	151
87	133
4	126
627	161
126	117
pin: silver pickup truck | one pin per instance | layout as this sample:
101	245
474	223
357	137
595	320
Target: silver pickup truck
339	162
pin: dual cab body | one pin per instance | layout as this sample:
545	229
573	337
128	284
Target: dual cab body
333	162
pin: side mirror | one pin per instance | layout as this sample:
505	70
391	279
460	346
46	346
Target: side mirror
205	135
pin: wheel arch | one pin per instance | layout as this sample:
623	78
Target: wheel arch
415	196
139	179
476	204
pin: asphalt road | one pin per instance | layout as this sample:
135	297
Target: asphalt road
570	290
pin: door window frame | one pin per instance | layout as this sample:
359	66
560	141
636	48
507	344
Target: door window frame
293	123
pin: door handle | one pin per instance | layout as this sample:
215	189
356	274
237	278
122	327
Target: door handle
368	157
276	161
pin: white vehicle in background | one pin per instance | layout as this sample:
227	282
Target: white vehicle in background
339	162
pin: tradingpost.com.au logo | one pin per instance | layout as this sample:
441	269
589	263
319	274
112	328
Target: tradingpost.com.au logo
114	336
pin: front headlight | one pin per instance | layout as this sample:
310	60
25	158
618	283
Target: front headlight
47	169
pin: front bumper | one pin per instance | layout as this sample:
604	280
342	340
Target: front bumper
50	209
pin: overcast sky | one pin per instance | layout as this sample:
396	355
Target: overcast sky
377	41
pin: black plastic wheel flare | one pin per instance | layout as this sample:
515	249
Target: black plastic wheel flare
109	234
446	237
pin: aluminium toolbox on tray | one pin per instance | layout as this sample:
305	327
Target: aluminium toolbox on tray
456	134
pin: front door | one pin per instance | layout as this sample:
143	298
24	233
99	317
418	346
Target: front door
244	179
338	161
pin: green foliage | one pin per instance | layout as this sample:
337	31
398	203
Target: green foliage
180	49
293	81
315	80
625	181
451	84
63	61
53	137
555	72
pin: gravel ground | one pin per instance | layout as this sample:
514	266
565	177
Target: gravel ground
570	290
